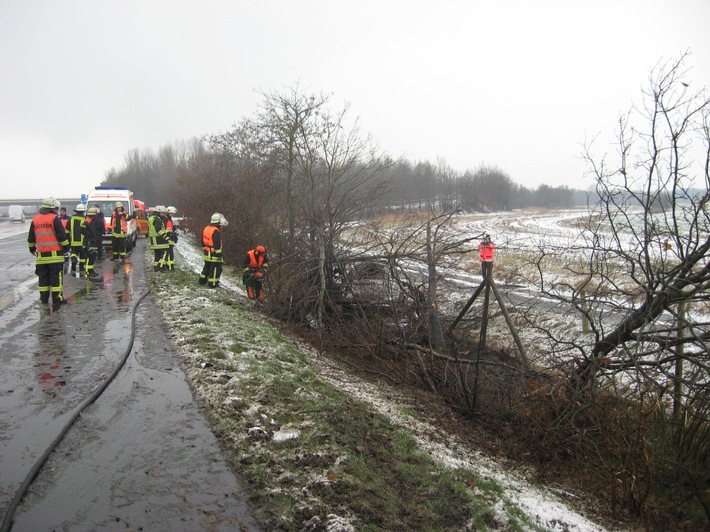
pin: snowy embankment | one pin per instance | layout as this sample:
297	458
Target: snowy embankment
542	506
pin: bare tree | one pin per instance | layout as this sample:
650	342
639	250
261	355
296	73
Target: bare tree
642	288
338	174
285	121
649	235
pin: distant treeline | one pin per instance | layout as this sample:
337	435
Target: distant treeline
152	176
486	189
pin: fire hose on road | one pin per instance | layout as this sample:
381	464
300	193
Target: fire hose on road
34	471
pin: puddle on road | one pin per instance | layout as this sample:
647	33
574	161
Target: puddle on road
142	455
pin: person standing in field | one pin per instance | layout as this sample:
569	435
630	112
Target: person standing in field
486	251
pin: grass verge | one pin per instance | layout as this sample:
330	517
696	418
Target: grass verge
314	457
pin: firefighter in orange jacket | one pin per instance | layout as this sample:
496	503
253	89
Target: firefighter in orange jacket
64	217
486	251
172	228
48	242
212	249
255	264
119	232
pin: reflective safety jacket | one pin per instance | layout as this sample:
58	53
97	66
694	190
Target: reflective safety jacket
76	239
65	221
119	223
157	233
254	261
212	240
47	238
486	252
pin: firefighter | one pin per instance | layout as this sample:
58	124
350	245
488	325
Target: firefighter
48	242
172	228
76	240
64	217
100	230
91	232
158	235
255	264
119	232
212	249
486	252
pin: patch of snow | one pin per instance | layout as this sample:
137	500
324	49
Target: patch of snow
285	435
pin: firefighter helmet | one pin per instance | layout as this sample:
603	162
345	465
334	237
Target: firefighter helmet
80	208
216	218
118	204
48	203
93	211
172	210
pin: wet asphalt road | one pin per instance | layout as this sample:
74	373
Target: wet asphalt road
141	457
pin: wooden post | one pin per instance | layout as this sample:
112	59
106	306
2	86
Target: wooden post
511	325
467	306
481	340
678	379
484	320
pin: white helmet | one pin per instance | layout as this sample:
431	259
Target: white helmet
159	209
216	218
118	204
93	211
48	203
172	210
80	208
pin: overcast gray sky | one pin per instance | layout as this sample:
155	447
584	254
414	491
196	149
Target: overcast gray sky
513	83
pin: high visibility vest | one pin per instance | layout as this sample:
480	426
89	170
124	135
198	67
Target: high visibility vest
157	233
76	239
255	261
486	252
64	221
169	224
45	238
123	227
208	238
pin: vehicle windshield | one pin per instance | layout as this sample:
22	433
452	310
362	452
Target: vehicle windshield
107	207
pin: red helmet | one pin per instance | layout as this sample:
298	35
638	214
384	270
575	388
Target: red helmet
260	250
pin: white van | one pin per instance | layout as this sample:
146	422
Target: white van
16	213
106	198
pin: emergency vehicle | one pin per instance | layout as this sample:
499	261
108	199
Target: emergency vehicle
106	198
141	217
